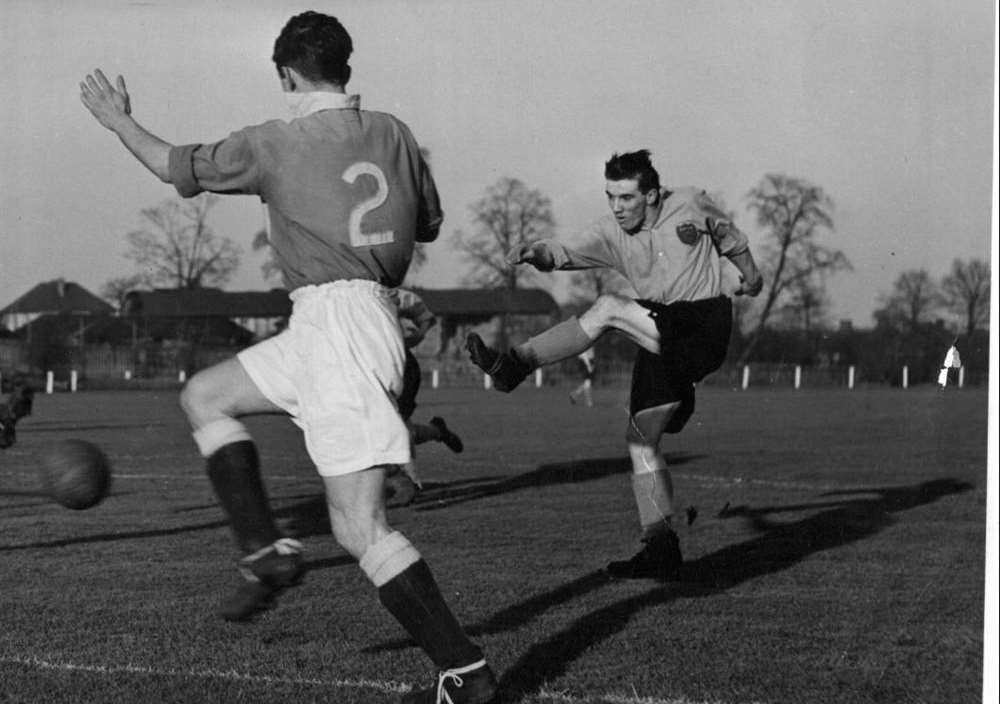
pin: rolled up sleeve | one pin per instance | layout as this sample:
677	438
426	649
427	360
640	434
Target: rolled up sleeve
181	169
227	166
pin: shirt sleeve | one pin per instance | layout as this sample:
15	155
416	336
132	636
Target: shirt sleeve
728	238
594	253
227	166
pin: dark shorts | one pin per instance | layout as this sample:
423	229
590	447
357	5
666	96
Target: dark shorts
407	400
694	339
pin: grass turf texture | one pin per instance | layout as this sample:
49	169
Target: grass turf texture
838	555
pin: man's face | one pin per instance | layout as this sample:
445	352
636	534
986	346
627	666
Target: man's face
627	203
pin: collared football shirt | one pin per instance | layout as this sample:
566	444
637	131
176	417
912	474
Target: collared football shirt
347	190
677	259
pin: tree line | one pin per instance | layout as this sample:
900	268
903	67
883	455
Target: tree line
176	248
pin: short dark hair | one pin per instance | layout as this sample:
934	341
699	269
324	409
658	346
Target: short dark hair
315	45
633	165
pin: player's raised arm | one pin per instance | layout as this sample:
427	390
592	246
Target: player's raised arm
111	106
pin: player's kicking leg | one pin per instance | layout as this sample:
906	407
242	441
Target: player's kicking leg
566	339
213	399
407	589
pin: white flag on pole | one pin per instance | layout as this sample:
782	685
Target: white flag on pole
951	361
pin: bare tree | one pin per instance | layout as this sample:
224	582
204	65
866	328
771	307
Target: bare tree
793	213
178	249
913	298
965	291
805	304
508	215
114	290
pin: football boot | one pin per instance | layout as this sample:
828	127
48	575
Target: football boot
451	441
504	368
660	558
266	574
473	684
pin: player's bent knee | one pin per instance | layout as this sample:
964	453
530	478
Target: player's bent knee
357	533
609	307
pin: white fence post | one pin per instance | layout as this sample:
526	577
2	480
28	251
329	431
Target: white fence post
487	381
906	377
128	374
961	377
72	381
538	378
182	376
50	382
435	378
850	377
746	376
798	376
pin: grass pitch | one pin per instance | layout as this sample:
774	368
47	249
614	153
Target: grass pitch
836	555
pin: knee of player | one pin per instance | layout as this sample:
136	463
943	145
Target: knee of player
609	307
356	533
198	397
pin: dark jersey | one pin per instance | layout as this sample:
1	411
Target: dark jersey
347	190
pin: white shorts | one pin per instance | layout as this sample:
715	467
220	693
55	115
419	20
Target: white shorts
337	370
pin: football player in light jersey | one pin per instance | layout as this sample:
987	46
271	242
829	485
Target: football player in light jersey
348	194
668	244
402	482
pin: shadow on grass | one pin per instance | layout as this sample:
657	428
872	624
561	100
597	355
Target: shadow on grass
63	427
779	546
435	498
308	517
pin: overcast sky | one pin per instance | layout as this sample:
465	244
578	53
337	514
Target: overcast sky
885	104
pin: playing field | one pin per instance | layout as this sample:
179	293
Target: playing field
837	555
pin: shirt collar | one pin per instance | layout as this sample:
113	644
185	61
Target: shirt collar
315	101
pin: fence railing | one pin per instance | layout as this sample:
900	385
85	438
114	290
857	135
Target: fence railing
169	365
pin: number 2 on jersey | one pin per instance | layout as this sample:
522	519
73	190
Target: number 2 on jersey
359	238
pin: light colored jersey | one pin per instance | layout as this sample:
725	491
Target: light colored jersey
677	259
347	190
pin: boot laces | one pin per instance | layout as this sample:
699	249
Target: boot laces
453	676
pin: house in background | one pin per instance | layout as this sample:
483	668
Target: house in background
259	314
56	297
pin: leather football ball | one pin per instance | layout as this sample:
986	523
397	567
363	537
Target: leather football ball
75	474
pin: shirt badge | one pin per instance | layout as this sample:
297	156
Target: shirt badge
688	233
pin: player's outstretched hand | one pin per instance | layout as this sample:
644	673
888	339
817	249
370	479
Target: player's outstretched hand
108	103
751	288
534	253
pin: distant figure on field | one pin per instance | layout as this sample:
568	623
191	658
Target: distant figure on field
583	391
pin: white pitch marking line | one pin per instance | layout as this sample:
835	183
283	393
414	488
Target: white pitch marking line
232	675
390	687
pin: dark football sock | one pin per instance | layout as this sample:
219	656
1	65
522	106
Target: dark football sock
413	598
562	341
234	471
